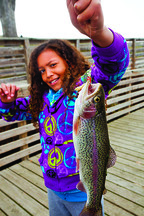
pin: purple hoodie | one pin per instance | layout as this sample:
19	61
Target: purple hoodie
58	158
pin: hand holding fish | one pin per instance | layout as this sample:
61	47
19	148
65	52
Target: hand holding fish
87	17
8	93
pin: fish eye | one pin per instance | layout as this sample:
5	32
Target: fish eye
97	99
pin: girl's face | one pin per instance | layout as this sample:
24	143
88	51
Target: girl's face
52	68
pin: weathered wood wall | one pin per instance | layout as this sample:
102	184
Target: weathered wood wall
21	139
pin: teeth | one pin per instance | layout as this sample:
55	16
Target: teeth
54	80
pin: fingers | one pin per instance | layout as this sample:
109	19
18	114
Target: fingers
8	89
8	93
91	11
74	1
81	5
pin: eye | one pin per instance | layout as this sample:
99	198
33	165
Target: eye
53	65
97	99
42	71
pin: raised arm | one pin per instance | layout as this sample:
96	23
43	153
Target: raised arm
109	49
87	17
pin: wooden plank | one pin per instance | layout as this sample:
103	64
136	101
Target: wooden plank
13	79
124	204
123	192
2	213
16	131
126	89
30	176
114	210
131	157
19	155
12	71
128	123
126	144
126	184
19	143
132	164
11	51
129	169
23	199
11	41
125	104
127	136
5	123
36	193
24	135
125	111
11	208
131	81
131	129
32	166
127	176
35	159
11	62
118	99
128	130
128	151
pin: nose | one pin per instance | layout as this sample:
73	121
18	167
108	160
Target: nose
49	73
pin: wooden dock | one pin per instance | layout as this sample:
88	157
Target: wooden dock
23	191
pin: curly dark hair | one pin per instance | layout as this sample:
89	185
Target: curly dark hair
77	65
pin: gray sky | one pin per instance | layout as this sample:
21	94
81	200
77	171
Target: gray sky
50	19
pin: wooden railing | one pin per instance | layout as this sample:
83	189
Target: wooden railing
21	139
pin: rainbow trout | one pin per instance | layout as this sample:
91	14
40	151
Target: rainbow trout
91	141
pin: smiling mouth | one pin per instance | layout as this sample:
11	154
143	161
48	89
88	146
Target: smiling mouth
54	81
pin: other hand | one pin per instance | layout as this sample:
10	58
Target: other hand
8	92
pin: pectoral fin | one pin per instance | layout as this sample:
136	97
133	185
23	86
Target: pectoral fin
80	186
112	158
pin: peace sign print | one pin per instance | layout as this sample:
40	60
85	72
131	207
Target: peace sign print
70	103
50	125
58	138
62	171
70	161
64	122
55	157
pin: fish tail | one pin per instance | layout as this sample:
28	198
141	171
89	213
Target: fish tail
91	211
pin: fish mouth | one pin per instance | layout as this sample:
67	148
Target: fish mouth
91	89
89	92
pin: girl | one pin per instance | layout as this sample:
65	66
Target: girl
56	69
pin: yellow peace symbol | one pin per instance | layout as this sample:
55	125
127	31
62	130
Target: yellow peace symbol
50	125
55	157
67	142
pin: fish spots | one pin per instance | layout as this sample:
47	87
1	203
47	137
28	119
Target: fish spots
91	143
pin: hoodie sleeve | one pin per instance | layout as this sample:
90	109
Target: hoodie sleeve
110	63
17	110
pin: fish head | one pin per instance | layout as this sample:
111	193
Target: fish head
91	100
